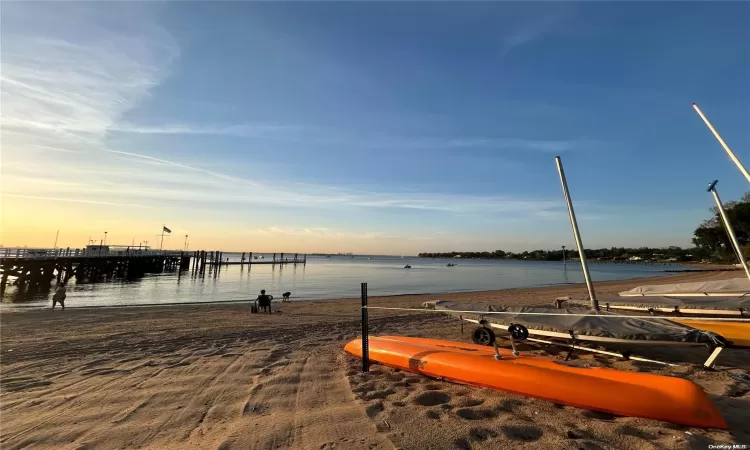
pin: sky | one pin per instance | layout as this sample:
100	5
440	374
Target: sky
377	128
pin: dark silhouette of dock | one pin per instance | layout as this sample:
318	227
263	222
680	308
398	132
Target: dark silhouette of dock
35	269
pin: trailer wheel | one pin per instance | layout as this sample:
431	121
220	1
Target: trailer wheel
519	332
483	336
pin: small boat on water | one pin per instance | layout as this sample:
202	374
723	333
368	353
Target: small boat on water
407	267
634	394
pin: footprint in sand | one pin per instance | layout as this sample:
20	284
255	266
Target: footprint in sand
509	405
632	431
482	434
373	410
377	395
432	414
574	433
523	433
403	384
469	402
476	413
737	390
462	444
394	376
432	387
366	387
431	398
607	417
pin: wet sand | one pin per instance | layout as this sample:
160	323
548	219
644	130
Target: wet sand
217	377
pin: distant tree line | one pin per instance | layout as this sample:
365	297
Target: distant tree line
611	254
711	242
712	238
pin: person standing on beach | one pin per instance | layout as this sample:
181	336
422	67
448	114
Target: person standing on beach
59	296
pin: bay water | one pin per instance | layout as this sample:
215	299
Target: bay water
333	277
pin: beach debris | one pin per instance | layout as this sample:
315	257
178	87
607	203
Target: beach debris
740	377
572	434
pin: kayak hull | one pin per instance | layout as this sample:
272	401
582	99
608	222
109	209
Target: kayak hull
657	397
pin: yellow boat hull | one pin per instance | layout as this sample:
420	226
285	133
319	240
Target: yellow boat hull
736	332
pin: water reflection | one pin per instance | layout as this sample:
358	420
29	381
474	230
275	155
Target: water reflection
326	278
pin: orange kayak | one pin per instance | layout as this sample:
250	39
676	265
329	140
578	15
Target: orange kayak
657	397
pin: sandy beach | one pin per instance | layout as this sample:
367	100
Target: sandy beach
217	377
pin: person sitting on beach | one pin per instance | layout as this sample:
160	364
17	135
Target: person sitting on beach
264	301
59	296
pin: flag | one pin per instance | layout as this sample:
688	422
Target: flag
167	230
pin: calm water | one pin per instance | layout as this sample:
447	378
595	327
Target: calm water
335	277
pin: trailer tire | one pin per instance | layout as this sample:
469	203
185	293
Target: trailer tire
483	336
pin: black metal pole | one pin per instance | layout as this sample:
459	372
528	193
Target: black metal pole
365	332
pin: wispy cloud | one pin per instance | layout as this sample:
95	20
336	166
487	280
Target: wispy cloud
325	233
67	76
255	130
173	184
73	200
329	136
66	79
519	38
533	30
183	166
66	89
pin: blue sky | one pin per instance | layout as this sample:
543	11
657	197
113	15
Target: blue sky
372	127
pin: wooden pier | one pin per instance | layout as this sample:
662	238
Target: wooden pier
34	269
247	258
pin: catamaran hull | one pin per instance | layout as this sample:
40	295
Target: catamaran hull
668	399
737	333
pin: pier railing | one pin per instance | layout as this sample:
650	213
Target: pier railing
50	253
